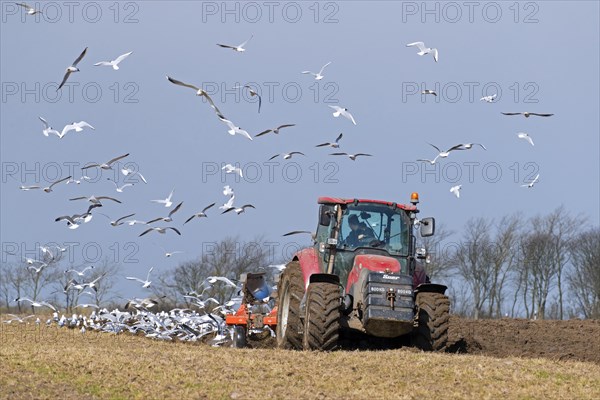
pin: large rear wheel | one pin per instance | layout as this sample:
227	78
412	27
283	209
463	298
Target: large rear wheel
290	292
322	318
432	320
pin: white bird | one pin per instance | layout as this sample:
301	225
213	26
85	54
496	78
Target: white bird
134	222
160	230
228	205
145	283
38	269
36	303
202	213
287	156
128	171
352	156
231	169
523	135
49	188
26	188
86	306
456	190
343	112
489	99
527	114
167	218
234	129
238	210
47	128
114	63
29	10
275	130
108	164
119	221
444	154
424	50
335	144
238	48
199	92
319	75
72	180
227	281
80	273
95	199
72	68
227	190
17	318
468	146
530	184
171	253
76	126
252	94
428	91
119	188
167	202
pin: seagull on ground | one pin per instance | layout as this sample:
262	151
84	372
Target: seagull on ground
48	129
160	230
523	135
275	130
489	99
49	188
287	156
319	75
199	92
108	164
526	114
120	188
167	218
239	210
167	202
335	144
80	273
252	94
343	112
28	9
201	214
352	156
231	169
234	129
424	50
530	184
72	68
114	63
456	190
239	48
145	283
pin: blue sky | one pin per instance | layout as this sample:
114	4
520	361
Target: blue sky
538	56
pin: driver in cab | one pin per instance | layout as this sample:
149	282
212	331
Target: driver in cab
359	231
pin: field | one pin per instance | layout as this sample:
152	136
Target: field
503	359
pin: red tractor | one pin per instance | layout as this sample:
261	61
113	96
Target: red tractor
360	282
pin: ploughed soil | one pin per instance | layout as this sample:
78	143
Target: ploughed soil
558	340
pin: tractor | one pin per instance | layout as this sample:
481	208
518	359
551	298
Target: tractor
362	281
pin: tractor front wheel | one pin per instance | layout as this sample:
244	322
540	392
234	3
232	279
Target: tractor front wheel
322	317
290	292
432	320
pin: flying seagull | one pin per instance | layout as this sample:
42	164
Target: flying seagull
167	218
238	48
424	50
228	205
200	214
145	283
444	154
227	281
120	188
80	273
29	10
199	92
523	135
227	191
119	221
527	114
312	234
114	63
35	303
72	68
108	164
95	199
252	94
26	188
335	144
468	146
287	156
343	112
128	171
234	129
319	75
456	190
49	188
161	230
427	91
47	128
76	126
530	184
352	156
167	202
231	169
489	99
275	130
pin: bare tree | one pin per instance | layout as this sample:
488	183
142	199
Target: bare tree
584	278
440	253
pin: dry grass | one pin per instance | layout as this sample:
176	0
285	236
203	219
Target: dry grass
48	362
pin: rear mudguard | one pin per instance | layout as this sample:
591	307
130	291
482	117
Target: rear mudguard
309	263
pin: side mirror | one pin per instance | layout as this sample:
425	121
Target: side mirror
324	216
427	227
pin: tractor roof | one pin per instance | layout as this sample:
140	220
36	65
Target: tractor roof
338	200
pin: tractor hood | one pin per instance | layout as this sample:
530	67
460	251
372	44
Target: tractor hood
374	263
